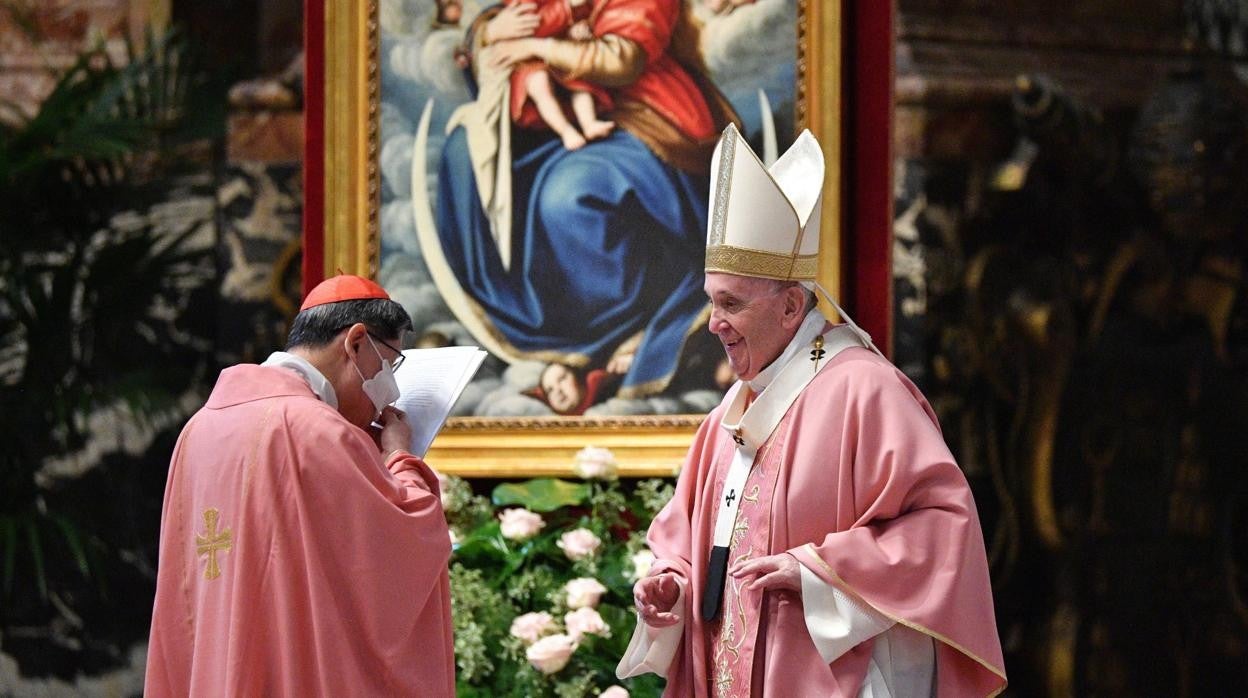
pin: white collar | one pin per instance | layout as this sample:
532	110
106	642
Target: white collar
811	327
314	378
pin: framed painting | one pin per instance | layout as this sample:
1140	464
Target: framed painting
556	217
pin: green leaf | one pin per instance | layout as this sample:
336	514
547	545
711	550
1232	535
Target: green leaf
36	554
486	542
74	541
542	494
8	527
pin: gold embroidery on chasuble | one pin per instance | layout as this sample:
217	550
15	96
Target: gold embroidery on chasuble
732	647
212	542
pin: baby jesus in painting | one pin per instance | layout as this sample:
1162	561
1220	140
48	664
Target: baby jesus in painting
534	102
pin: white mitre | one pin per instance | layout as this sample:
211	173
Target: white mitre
764	221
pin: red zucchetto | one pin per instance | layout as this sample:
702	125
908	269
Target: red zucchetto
344	287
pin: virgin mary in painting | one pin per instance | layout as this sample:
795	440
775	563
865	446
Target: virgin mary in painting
588	258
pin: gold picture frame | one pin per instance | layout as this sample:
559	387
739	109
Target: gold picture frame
538	446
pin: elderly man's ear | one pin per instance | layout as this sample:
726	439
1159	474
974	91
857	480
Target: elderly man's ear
794	304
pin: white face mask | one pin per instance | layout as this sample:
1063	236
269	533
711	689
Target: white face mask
381	388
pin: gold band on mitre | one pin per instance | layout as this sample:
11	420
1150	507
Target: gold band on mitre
767	265
763	220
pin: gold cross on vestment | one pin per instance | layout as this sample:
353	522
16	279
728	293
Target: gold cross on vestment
211	542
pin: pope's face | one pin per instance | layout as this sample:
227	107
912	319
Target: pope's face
752	318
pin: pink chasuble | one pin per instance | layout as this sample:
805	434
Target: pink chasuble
293	560
866	495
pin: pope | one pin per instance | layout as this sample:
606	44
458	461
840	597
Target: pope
822	540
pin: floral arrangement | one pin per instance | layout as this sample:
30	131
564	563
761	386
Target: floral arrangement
541	581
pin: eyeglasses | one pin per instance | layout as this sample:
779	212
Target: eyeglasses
398	360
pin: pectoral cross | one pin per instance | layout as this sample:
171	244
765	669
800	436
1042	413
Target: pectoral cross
732	495
211	542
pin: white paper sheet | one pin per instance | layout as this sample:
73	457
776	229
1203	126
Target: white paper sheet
430	381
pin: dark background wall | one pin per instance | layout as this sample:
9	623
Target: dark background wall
1068	272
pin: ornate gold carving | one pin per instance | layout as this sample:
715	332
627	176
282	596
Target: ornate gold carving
212	542
770	265
477	424
818	108
523	447
651	446
352	177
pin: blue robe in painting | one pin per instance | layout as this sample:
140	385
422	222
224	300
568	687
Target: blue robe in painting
607	240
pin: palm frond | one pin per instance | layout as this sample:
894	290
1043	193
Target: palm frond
8	533
36	556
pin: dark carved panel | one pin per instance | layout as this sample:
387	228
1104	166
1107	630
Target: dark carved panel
1074	306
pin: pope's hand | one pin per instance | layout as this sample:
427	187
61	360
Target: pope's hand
772	573
654	597
395	432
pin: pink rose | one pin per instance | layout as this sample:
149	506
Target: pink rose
579	544
531	626
614	692
595	464
520	524
642	561
551	653
585	621
584	592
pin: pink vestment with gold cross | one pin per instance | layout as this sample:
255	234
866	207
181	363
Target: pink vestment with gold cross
293	560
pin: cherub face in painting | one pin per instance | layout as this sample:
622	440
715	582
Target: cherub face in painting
563	390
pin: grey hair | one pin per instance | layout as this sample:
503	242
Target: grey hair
811	299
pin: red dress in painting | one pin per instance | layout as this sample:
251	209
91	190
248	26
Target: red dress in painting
663	84
555	19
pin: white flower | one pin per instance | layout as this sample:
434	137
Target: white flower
454	536
531	626
578	544
520	524
595	464
585	621
642	560
584	592
551	653
444	486
614	692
